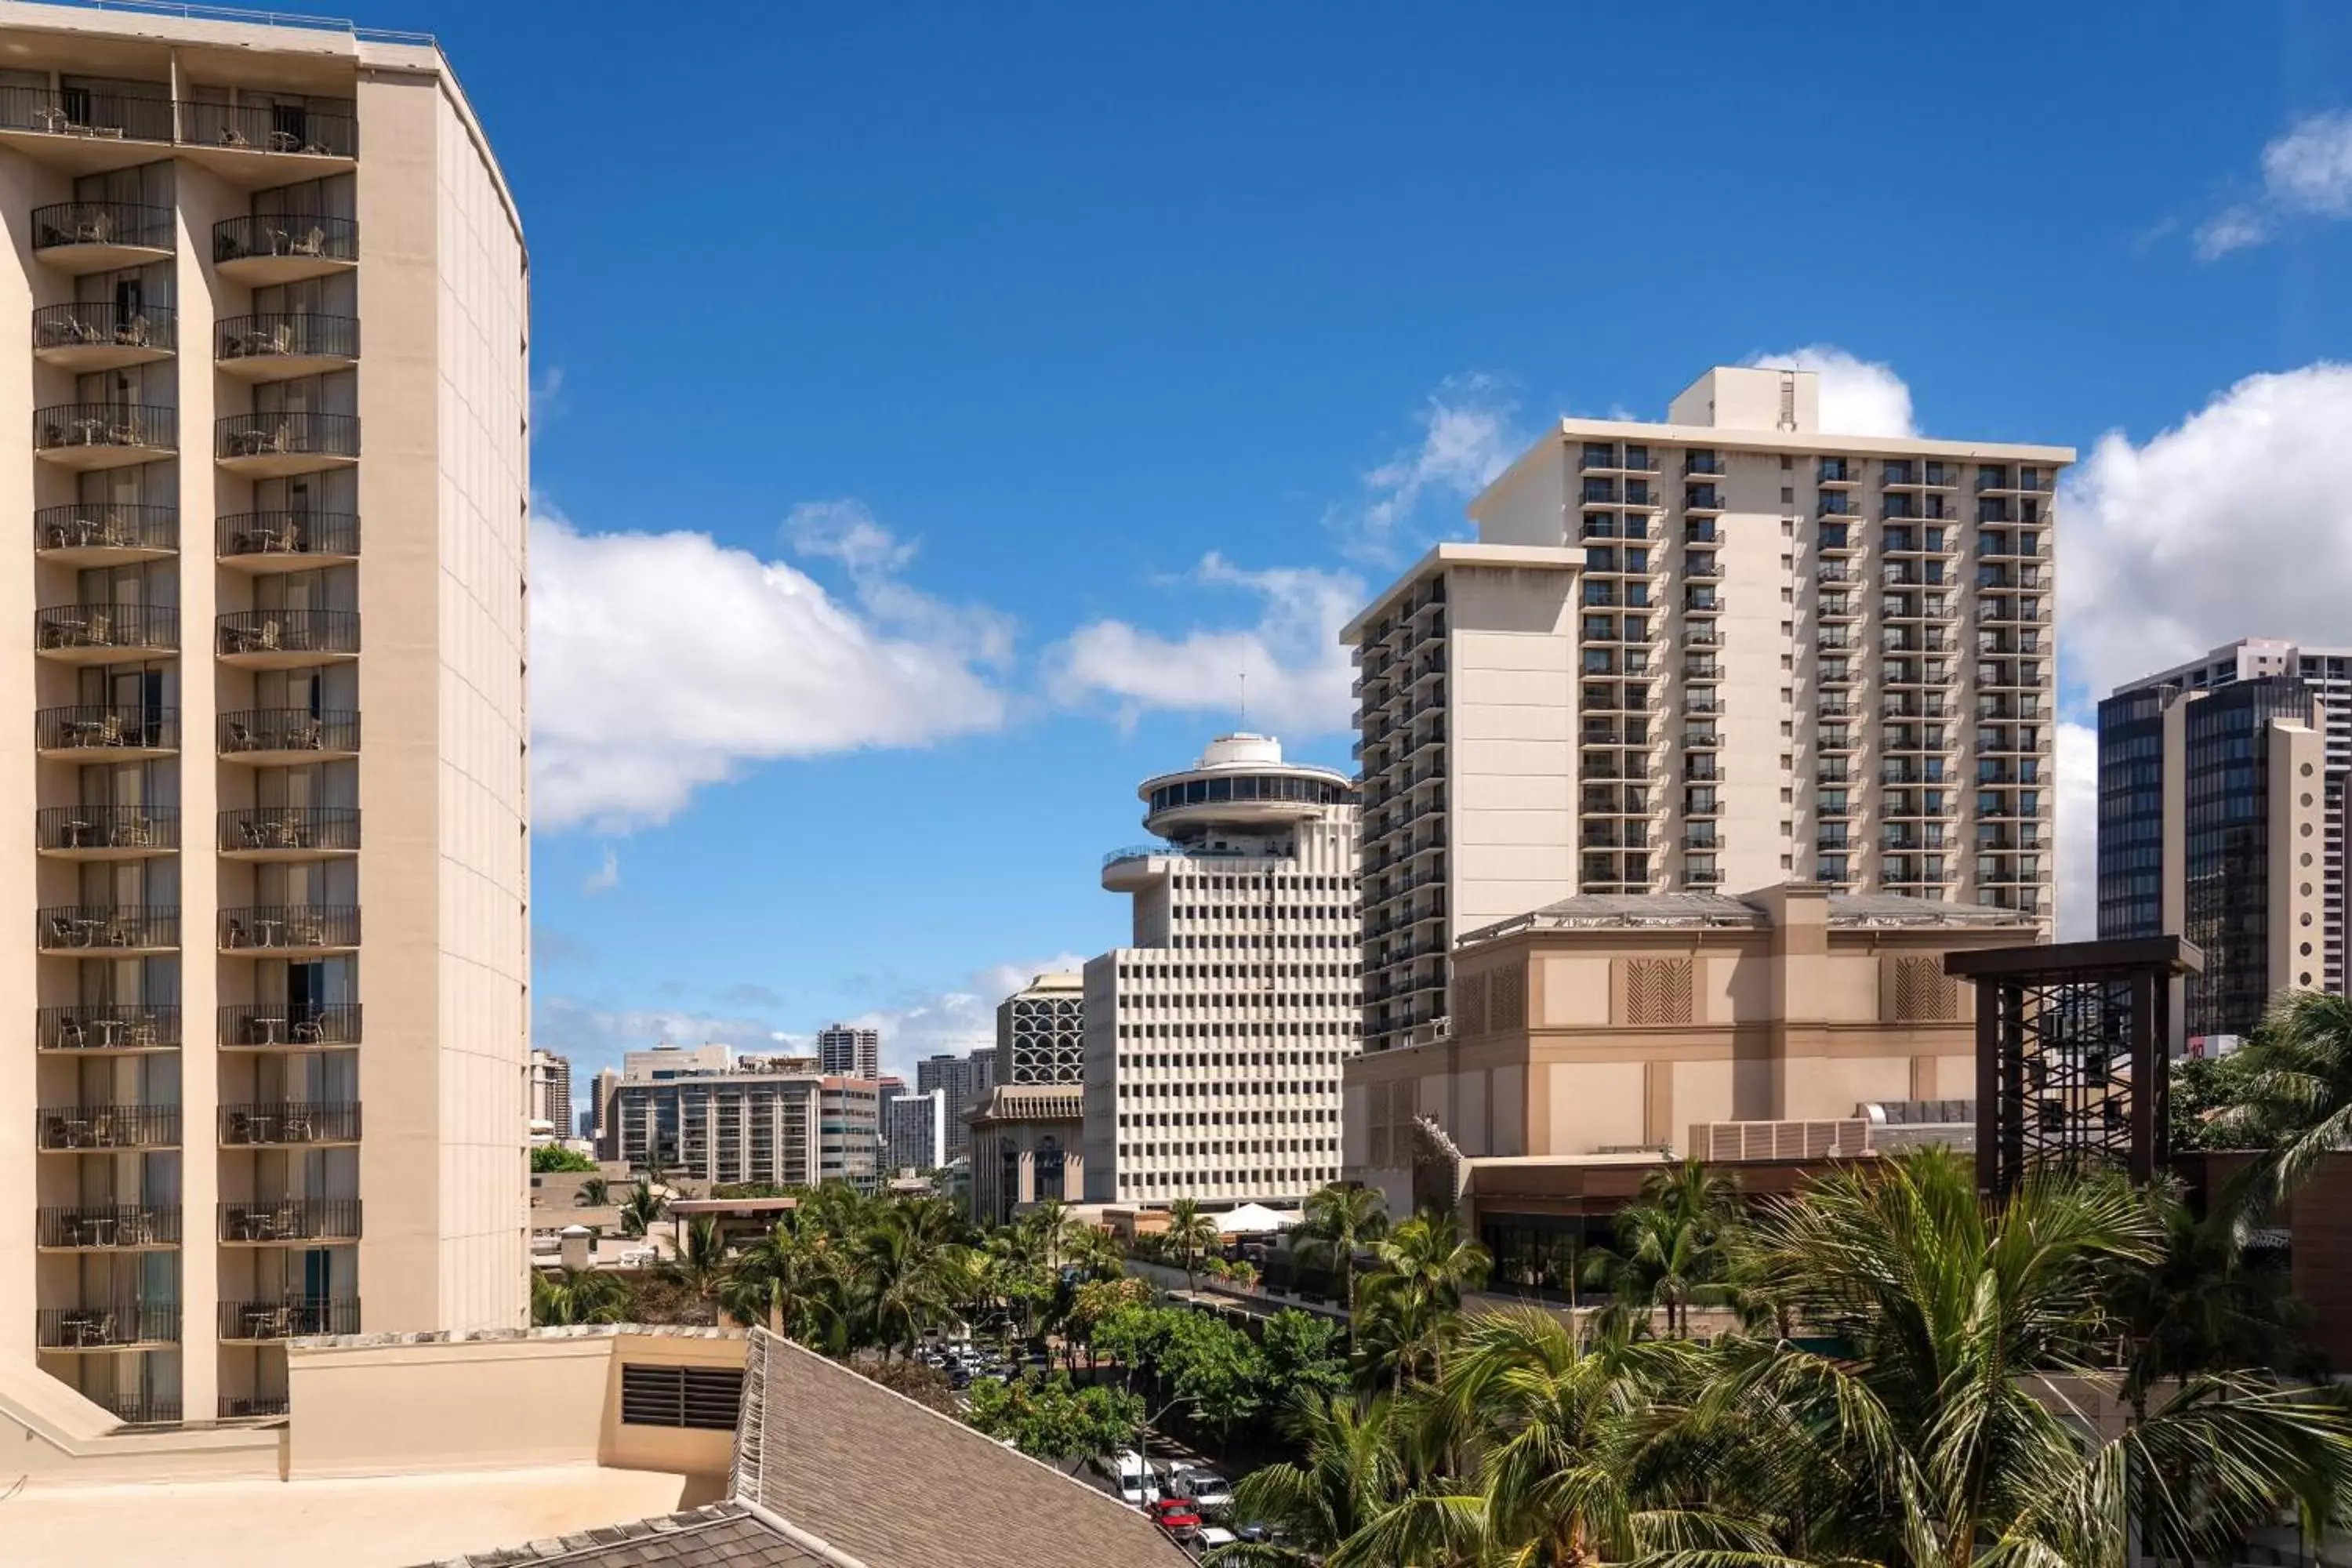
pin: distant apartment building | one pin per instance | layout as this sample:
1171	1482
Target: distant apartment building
272	487
915	1135
964	1081
1726	650
848	1052
675	1061
598	1116
743	1124
2213	824
1215	1041
1041	1032
2326	673
551	1094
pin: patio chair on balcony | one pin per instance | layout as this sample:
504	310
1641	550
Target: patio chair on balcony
315	242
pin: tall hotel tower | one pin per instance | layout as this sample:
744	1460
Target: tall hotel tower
1728	651
1214	1043
272	839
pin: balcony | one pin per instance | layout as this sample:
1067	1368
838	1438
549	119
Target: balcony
106	832
1702	741
118	928
262	445
266	541
289	928
104	633
255	1322
289	1124
106	733
283	639
105	534
265	1221
283	344
1702	603
93	335
106	1227
274	737
288	833
291	1027
102	236
1702	877
84	436
1704	502
102	1027
73	1128
106	1329
1994	611
289	131
284	247
1703	569
1704	465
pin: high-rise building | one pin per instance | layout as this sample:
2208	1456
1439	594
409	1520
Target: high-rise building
674	1061
599	1114
735	1125
915	1132
2213	806
2326	673
1041	1032
850	1052
1215	1040
1731	649
277	577
964	1081
551	1093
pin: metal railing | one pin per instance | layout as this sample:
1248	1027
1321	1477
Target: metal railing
307	236
107	1225
292	1122
104	1328
105	1027
95	928
97	223
287	631
107	828
106	727
71	1127
297	434
247	1407
103	115
106	625
243	533
103	323
139	1409
290	828
285	335
291	1024
288	730
68	425
291	1219
270	128
264	927
106	525
250	1320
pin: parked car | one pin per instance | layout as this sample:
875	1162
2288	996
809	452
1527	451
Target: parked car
1139	1484
1212	1537
1176	1515
1210	1489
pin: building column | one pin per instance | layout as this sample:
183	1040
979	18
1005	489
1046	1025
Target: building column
1027	1191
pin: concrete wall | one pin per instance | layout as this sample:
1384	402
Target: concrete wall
1511	754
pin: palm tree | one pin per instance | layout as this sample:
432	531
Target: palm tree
2297	1072
1670	1242
789	1279
595	1192
1352	1468
1190	1232
1954	1420
1340	1221
908	1273
2204	1306
1095	1253
1407	1306
578	1296
700	1267
642	1210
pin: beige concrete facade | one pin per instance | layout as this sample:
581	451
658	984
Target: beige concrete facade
1028	1145
1607	1027
1725	650
278	779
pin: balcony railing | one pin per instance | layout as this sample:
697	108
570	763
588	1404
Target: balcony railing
105	1328
101	115
290	828
106	1026
249	1407
289	534
288	730
73	1127
154	628
289	1122
303	235
288	631
107	1225
270	128
291	1024
106	727
263	927
107	828
95	928
69	424
106	525
291	1219
125	224
103	324
288	334
246	1321
290	435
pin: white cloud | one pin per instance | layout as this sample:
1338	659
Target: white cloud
1859	397
2078	832
1298	674
2235	522
959	1020
663	662
606	877
593	1036
1468	437
2306	172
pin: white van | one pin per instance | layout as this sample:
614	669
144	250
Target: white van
1139	1484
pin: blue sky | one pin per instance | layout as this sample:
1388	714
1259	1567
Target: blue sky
986	386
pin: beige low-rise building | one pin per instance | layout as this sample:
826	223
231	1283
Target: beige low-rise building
1606	1031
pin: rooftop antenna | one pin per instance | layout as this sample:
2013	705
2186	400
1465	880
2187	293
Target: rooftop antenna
1244	678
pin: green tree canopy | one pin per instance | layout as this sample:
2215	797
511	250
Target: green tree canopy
548	1158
